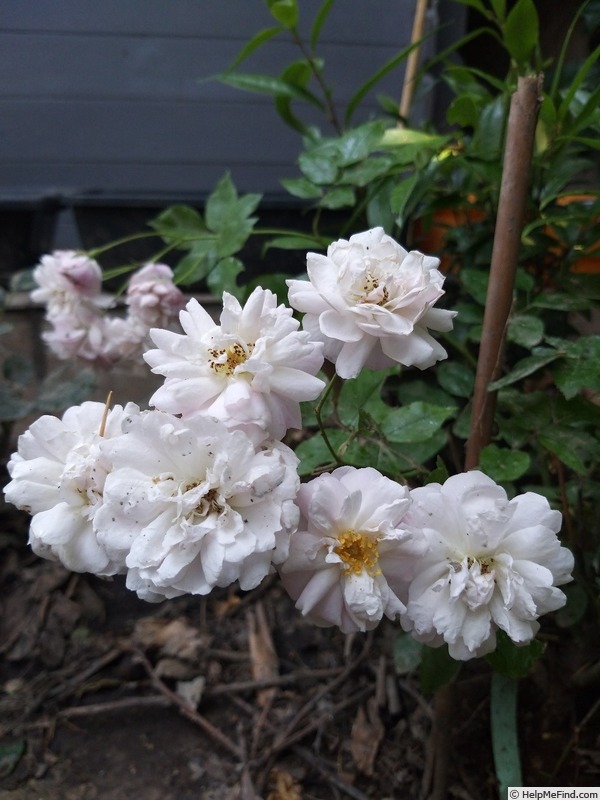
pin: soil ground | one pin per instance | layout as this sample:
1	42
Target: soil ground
236	697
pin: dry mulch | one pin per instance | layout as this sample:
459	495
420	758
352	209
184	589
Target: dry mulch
236	697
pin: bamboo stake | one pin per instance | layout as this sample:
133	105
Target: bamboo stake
412	62
520	133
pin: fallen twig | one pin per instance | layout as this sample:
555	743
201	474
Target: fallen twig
186	710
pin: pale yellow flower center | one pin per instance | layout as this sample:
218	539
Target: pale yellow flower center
372	290
358	552
225	360
208	503
486	563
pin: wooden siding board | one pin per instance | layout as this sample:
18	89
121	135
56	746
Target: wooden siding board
86	66
349	19
106	97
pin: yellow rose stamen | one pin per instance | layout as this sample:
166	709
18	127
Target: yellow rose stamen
358	552
235	355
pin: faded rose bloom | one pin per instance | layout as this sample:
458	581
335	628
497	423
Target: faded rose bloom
492	564
351	559
190	505
251	371
58	475
152	298
66	277
371	304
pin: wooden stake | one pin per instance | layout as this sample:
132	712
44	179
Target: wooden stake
105	414
412	63
512	203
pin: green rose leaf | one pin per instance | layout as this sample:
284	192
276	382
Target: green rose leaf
521	31
526	330
511	660
416	422
223	278
456	378
504	464
438	669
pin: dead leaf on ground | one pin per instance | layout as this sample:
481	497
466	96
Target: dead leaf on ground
263	656
366	736
285	786
177	638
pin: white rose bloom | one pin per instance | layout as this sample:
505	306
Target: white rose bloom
152	298
191	505
492	564
66	276
371	303
251	371
351	559
58	476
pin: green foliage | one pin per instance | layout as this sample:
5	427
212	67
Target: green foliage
210	241
505	744
511	660
437	669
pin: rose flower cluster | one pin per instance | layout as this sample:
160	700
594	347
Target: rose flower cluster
199	491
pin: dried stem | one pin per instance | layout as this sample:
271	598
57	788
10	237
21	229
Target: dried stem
520	132
412	63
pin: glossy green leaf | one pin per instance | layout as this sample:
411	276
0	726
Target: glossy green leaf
437	669
297	242
299	74
285	12
416	422
319	165
513	661
196	264
575	448
463	111
526	330
522	31
488	137
319	21
229	216
379	213
267	84
580	369
363	173
527	366
560	301
179	222
577	82
339	197
362	392
505	742
314	453
223	278
438	475
456	378
503	464
401	195
302	188
253	44
388	67
499	7
475	282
